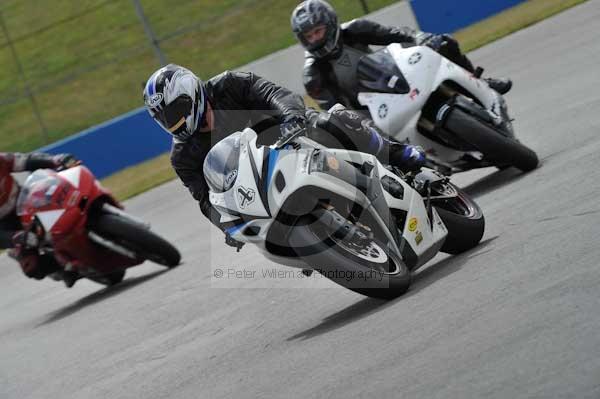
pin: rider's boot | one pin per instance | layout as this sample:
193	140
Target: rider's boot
501	85
70	278
403	156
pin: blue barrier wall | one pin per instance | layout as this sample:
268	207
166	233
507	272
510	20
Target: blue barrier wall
114	145
442	16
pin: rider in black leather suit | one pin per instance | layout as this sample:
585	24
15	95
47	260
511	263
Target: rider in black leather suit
330	47
200	114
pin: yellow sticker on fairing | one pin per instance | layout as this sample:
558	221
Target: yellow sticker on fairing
413	223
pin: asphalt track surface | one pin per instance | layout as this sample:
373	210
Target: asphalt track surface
518	316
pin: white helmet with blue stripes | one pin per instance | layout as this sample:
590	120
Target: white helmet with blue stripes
176	99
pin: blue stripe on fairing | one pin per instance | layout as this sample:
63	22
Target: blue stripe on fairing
234	229
273	156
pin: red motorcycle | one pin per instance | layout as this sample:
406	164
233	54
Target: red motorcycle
85	228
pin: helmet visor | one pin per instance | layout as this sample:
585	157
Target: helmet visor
174	115
315	36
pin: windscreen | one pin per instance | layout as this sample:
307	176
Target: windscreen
37	191
221	164
378	72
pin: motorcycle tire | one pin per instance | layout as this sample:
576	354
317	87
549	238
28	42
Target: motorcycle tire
145	243
385	277
497	148
464	220
109	279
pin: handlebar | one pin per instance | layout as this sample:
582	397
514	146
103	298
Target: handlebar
284	141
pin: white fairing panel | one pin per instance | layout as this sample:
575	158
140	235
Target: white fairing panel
49	218
244	196
420	234
419	66
72	175
424	70
294	165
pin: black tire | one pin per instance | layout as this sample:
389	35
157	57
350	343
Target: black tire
496	148
142	241
327	257
464	220
109	279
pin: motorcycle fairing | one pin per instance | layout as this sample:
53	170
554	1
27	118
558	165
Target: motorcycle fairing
399	114
296	167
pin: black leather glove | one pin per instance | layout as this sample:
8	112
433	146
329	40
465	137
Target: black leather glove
291	127
65	161
433	41
232	242
25	251
25	241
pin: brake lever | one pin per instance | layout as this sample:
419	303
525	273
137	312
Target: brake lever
284	141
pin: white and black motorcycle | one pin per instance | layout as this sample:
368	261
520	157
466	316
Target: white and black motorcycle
341	213
419	97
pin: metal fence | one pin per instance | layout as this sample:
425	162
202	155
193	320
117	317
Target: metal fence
59	53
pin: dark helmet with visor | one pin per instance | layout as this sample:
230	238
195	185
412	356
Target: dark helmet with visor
176	99
315	13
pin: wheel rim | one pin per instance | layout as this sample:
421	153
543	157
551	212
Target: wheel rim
460	205
372	252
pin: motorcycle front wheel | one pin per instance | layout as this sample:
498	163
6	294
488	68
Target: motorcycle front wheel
368	268
109	279
495	147
143	242
462	217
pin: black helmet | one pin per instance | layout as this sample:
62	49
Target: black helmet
176	99
312	13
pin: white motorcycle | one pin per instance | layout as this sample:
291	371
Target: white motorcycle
419	97
341	213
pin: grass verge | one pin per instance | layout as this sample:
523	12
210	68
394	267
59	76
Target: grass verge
85	60
139	178
149	174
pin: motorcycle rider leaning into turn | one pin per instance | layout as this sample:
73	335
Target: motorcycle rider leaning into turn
198	114
332	51
24	245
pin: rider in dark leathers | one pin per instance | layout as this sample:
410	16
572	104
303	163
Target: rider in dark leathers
24	244
199	114
332	51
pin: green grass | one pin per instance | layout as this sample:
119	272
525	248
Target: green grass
154	172
139	178
88	69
